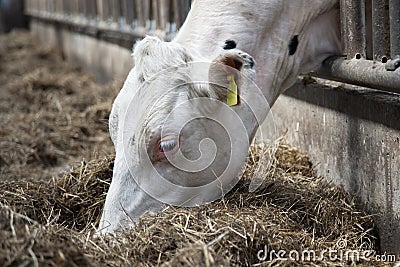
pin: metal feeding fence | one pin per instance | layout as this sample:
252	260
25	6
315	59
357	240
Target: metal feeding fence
370	31
119	21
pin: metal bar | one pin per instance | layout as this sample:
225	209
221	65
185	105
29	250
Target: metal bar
154	11
141	12
46	6
123	12
369	49
96	10
122	36
185	7
87	12
181	8
53	6
91	9
81	8
177	14
394	7
353	28
380	30
361	72
41	6
129	12
100	10
106	10
146	13
171	15
75	7
162	11
65	7
60	7
116	10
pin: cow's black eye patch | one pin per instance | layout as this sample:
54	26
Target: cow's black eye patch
293	45
229	44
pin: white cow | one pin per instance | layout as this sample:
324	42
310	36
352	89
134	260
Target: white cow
173	101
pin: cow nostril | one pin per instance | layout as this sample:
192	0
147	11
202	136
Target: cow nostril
251	62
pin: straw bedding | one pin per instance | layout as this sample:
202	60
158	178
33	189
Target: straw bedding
54	115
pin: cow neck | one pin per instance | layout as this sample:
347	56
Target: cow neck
264	29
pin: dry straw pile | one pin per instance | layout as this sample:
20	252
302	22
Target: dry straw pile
52	115
52	223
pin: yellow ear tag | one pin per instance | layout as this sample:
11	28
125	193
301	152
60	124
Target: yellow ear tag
232	95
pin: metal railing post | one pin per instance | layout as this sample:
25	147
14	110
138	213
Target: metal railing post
380	30
394	8
353	28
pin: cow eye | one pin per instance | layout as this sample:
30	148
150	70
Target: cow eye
167	145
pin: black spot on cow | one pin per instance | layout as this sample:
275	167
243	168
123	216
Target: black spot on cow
141	78
293	45
229	44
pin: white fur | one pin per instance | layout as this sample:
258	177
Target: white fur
262	28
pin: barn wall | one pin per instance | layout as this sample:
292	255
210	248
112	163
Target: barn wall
352	134
105	60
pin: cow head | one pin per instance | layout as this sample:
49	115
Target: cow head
181	127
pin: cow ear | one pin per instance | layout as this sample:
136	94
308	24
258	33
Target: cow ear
225	75
152	56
